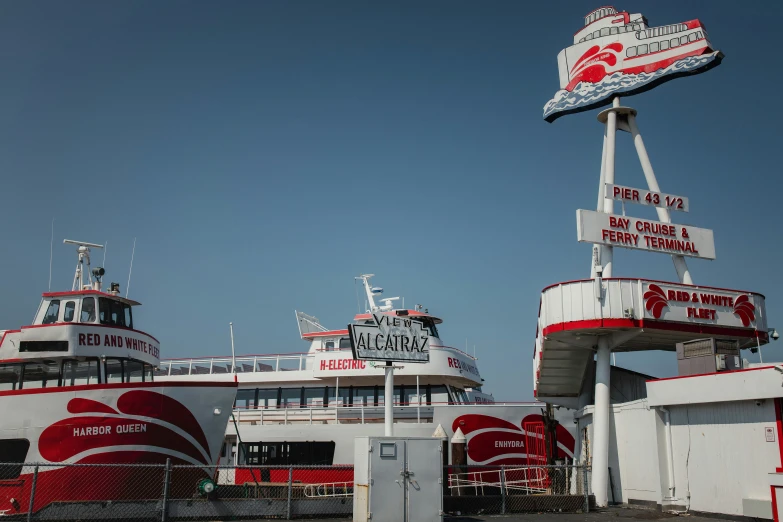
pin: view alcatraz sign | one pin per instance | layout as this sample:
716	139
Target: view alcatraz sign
391	338
645	197
643	234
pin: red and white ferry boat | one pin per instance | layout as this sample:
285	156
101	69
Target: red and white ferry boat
307	408
613	41
78	386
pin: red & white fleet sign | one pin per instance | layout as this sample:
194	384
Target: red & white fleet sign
691	304
644	234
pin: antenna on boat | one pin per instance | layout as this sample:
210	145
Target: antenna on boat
130	270
51	251
84	255
105	248
233	357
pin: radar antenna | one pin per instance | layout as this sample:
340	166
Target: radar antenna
84	258
372	292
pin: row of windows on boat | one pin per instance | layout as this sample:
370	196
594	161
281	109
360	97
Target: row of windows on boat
83	310
72	372
325	396
663	45
636	28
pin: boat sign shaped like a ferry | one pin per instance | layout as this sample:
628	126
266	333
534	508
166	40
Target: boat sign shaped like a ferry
618	53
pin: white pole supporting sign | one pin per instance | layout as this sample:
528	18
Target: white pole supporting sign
646	197
644	234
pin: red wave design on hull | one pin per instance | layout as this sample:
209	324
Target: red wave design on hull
107	428
158	406
69	437
496	444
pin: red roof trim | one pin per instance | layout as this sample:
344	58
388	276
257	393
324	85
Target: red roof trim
85	387
90	325
656	325
653	281
88	292
330	333
6	333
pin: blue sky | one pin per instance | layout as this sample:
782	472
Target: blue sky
265	153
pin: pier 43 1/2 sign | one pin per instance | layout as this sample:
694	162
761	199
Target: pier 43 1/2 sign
391	338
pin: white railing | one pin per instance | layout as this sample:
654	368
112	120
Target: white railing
528	479
258	363
329	489
332	415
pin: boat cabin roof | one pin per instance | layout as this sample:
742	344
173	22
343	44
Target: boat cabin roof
97	293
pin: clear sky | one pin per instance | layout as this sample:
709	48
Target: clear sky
265	153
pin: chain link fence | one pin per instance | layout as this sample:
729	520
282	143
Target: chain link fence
147	492
479	490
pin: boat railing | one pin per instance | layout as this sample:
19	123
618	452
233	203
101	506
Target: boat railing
284	362
333	414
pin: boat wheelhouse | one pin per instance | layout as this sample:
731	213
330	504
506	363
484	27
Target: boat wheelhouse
77	386
306	408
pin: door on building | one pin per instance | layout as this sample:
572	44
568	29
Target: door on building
411	472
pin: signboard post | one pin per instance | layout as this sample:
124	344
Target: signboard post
392	338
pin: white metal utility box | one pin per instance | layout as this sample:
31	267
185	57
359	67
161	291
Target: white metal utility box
398	479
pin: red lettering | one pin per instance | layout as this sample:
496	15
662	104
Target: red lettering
635	195
616	191
323	365
81	339
671	295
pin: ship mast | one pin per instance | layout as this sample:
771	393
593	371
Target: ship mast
84	257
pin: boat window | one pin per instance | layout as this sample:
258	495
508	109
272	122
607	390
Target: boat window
80	372
128	315
683	27
287	453
267	398
605	31
409	396
692	37
114	312
637	28
345	342
291	397
341	396
314	397
41	375
246	399
459	395
630	52
664	45
70	309
14	453
614	30
675	42
113	370
429	325
329	345
9	376
642	49
88	310
364	395
683	40
133	370
53	312
439	395
699	35
43	346
596	34
655	47
149	371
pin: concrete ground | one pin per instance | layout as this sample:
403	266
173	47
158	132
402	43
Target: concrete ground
612	514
